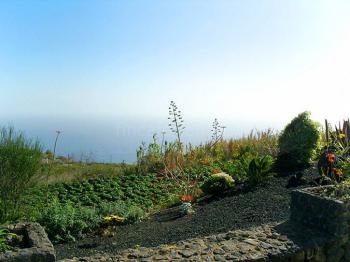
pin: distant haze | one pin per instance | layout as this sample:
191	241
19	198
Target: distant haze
104	72
116	140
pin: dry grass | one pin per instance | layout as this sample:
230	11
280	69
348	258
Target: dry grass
63	172
256	143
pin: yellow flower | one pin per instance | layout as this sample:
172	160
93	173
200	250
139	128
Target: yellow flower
341	136
113	218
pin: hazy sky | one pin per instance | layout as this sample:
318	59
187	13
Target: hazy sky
247	59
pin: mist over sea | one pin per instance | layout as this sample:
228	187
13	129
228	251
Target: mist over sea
113	139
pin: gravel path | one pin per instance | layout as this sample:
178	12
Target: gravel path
268	203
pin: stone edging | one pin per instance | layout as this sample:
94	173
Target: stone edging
270	242
40	248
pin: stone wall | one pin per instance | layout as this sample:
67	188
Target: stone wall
38	246
325	214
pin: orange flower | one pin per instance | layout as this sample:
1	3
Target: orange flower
330	158
215	171
186	198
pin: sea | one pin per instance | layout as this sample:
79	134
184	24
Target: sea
116	139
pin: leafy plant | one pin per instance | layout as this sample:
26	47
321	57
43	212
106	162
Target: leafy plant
65	222
19	161
297	143
4	235
217	184
135	214
258	169
340	138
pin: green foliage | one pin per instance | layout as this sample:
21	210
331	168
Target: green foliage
94	199
19	161
66	222
343	136
258	169
72	171
340	138
297	143
217	184
115	208
4	245
135	214
257	143
150	159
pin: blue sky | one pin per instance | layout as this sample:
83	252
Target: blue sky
251	59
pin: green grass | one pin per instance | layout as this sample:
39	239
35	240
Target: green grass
64	172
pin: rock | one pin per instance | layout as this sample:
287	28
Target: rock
187	253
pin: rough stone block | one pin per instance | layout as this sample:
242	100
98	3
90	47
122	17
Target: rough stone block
38	246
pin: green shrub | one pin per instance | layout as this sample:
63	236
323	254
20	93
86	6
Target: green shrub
134	214
112	208
297	143
19	161
64	222
217	183
258	169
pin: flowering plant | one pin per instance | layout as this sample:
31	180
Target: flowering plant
186	198
114	219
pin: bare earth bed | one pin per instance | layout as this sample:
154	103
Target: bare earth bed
268	203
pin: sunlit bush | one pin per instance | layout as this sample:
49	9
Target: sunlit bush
19	161
297	143
217	183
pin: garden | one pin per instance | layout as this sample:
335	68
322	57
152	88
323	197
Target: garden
215	187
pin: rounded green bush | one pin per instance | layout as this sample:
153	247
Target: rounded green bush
217	184
297	143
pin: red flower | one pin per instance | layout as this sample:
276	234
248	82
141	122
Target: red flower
215	171
186	198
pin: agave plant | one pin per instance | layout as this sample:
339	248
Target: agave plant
342	136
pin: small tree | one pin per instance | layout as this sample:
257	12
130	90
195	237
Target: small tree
20	159
297	143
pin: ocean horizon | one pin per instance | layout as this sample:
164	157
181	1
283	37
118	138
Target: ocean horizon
116	139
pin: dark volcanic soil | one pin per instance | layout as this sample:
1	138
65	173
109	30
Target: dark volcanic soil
269	202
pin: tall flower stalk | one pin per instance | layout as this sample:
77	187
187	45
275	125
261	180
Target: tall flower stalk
217	132
176	123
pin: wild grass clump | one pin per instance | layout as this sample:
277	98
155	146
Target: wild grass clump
20	160
257	143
